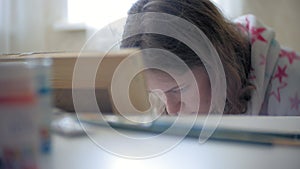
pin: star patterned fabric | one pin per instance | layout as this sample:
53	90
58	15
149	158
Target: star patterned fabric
275	71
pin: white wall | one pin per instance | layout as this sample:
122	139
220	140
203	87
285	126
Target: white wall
30	27
22	25
60	40
282	15
27	26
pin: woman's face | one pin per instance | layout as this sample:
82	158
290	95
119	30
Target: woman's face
183	95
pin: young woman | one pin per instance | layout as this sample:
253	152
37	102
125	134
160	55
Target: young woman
261	77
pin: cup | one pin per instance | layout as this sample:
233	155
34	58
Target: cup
25	113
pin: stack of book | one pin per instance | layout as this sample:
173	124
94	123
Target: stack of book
85	74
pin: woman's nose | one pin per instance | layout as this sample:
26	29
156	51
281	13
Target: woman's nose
172	105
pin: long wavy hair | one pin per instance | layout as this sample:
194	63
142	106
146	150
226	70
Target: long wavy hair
232	46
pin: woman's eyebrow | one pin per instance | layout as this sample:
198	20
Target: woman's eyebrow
173	88
167	91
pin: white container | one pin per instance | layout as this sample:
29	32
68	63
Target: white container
25	111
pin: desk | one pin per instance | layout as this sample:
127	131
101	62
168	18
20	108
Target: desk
82	153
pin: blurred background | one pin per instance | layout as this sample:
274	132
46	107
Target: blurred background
65	25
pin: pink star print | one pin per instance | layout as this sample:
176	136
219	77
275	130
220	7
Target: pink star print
277	92
281	73
295	101
247	24
263	60
242	28
290	55
245	28
252	75
256	34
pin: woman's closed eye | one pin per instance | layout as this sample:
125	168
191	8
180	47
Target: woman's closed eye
180	89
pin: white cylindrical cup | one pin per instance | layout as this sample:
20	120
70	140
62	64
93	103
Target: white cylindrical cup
23	110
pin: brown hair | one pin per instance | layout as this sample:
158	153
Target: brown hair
232	47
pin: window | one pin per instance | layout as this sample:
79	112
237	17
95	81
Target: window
230	8
97	13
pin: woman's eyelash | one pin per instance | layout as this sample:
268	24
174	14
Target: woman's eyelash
181	89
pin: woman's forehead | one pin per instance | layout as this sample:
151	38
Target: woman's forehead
161	80
171	75
158	75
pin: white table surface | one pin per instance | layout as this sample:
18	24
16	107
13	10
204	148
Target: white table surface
82	153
